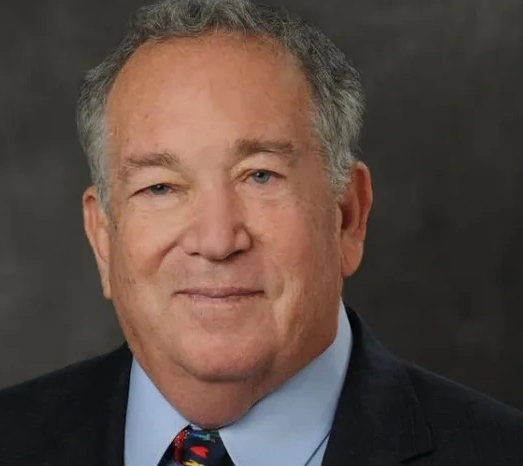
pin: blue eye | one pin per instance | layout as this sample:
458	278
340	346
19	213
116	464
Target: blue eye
261	176
158	189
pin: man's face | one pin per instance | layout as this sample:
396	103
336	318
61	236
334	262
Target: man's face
226	251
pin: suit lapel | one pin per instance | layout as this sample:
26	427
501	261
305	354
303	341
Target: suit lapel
93	432
379	420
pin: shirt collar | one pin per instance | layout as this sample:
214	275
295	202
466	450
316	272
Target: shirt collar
295	418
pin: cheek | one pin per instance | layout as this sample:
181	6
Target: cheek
138	299
281	230
297	246
303	254
301	233
140	243
136	255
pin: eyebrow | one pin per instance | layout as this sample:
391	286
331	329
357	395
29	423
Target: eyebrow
249	147
243	148
151	159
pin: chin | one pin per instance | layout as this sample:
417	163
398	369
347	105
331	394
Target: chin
231	364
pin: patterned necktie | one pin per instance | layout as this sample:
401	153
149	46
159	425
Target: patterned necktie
199	448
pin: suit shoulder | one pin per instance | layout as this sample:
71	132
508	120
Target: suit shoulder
46	393
456	412
35	416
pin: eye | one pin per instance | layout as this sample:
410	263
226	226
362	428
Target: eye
160	189
262	176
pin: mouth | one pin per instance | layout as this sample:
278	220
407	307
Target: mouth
219	294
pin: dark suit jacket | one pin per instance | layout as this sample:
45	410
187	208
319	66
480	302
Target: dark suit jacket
389	413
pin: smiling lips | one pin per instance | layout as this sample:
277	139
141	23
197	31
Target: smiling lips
219	293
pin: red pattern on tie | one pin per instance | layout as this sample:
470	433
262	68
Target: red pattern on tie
202	452
199	448
177	445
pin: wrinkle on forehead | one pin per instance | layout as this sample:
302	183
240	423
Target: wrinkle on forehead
146	81
188	49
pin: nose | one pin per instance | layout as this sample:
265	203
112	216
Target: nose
217	229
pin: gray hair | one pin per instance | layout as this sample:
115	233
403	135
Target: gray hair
336	91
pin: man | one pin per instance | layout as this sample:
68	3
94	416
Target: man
226	210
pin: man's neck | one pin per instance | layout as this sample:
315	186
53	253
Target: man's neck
214	404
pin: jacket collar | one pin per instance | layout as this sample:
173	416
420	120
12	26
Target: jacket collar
379	419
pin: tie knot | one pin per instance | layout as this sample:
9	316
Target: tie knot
198	448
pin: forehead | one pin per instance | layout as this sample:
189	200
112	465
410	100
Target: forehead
219	84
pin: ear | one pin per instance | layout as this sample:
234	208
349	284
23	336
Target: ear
354	207
96	225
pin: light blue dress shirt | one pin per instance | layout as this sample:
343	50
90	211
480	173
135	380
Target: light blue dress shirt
294	420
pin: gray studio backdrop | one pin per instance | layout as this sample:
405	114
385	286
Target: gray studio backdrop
443	273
